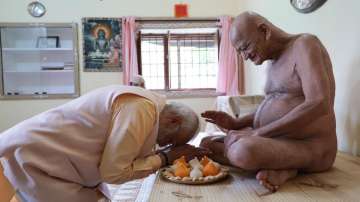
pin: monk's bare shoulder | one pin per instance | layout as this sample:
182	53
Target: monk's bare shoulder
307	50
306	44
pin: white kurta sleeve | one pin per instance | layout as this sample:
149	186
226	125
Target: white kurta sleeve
132	122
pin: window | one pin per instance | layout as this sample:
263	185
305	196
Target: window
176	59
153	60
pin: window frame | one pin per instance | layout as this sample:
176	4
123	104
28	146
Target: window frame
167	38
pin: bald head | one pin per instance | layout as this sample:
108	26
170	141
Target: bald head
250	35
245	25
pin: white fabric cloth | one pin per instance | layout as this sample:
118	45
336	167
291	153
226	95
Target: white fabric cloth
55	156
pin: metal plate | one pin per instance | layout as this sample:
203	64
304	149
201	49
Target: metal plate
36	9
307	6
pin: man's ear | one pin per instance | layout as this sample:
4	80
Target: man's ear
263	28
175	120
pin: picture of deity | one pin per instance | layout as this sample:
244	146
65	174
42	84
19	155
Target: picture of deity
102	44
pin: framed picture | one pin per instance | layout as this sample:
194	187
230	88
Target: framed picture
48	42
102	44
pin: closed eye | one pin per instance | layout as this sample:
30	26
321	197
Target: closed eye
243	48
247	46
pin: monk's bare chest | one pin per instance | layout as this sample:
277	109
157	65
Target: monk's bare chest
282	76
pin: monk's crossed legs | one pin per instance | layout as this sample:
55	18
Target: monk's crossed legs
275	159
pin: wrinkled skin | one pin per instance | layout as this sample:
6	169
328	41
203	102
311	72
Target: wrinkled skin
293	129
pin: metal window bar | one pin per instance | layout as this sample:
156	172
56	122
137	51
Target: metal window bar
186	45
182	40
152	50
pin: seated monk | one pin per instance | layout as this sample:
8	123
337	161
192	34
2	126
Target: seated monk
293	129
104	136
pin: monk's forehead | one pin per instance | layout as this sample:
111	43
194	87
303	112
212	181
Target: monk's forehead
245	25
241	34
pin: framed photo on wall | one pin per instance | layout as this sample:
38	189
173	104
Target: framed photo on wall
102	44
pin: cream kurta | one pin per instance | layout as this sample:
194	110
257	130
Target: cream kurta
63	154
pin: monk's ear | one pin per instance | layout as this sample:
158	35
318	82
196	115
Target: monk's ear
265	30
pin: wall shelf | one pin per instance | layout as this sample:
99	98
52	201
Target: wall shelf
40	71
36	49
30	70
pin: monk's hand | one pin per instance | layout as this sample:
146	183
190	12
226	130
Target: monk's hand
186	150
220	118
234	135
215	144
209	141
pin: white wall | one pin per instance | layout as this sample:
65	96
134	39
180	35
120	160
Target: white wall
11	112
336	23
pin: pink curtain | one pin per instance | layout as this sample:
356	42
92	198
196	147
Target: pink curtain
129	54
230	65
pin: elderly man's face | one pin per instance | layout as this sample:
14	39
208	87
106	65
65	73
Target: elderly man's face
250	43
168	131
174	137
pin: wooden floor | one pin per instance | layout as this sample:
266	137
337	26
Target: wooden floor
341	183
